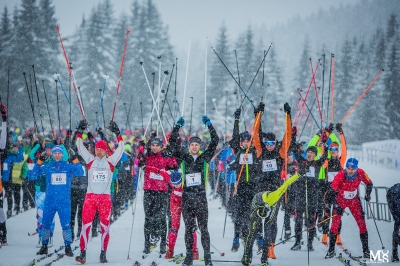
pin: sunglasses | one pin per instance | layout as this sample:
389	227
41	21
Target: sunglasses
269	143
334	149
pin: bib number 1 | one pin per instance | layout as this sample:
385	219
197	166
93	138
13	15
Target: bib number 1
193	179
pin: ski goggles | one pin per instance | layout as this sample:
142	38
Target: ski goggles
334	149
269	143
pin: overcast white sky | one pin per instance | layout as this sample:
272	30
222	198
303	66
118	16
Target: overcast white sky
206	16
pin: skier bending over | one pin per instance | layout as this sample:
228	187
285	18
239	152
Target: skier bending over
58	196
393	196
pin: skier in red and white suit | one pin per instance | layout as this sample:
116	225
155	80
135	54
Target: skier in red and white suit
98	198
345	184
175	206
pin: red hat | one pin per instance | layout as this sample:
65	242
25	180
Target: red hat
101	144
334	144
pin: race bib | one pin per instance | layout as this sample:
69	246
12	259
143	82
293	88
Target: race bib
350	194
100	176
311	172
178	193
331	176
269	165
193	179
30	166
127	168
5	167
59	179
246	159
156	176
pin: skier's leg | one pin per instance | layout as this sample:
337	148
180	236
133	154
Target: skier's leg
88	212
104	207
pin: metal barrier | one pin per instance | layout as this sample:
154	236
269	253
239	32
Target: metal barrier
379	206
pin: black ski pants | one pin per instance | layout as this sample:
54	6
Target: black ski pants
77	199
28	194
195	206
155	211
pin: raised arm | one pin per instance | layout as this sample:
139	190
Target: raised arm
116	156
208	154
235	142
288	134
83	152
343	155
3	138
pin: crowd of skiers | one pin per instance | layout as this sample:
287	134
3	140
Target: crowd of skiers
87	177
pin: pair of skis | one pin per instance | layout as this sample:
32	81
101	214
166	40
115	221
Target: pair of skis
34	261
359	259
60	256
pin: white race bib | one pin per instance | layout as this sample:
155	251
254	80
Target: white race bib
178	193
5	167
269	165
331	176
100	176
156	176
350	194
311	172
193	179
59	179
247	160
30	166
127	168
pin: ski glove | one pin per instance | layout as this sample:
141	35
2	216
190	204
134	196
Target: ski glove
237	113
180	122
338	209
3	110
206	121
324	138
114	128
261	107
294	131
339	127
81	126
329	129
368	193
286	108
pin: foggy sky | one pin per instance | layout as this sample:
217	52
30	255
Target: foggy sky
205	16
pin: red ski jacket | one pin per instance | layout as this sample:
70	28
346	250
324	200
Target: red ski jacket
347	189
155	175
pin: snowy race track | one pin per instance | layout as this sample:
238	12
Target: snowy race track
21	248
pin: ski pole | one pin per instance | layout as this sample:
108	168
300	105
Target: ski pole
71	75
37	95
47	104
262	63
166	93
361	96
66	97
8	90
133	215
58	106
120	74
31	102
222	254
373	216
245	95
316	91
333	89
141	113
329	90
309	111
205	80
323	221
187	70
101	111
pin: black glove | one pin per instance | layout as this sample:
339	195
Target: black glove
114	128
367	197
329	129
261	107
3	110
339	127
324	138
90	135
256	111
237	113
368	192
338	209
286	108
43	157
167	152
82	126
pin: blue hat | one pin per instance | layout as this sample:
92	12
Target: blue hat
176	178
245	136
57	149
352	163
49	145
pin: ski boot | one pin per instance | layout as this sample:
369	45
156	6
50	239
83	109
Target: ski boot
82	257
395	256
364	242
43	250
271	252
310	246
188	259
296	245
9	214
68	251
3	241
235	245
330	254
325	239
207	258
163	245
195	253
103	258
264	259
331	250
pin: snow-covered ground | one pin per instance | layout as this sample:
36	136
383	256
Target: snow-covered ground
21	248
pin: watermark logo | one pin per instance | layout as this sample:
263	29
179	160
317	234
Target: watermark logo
379	257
